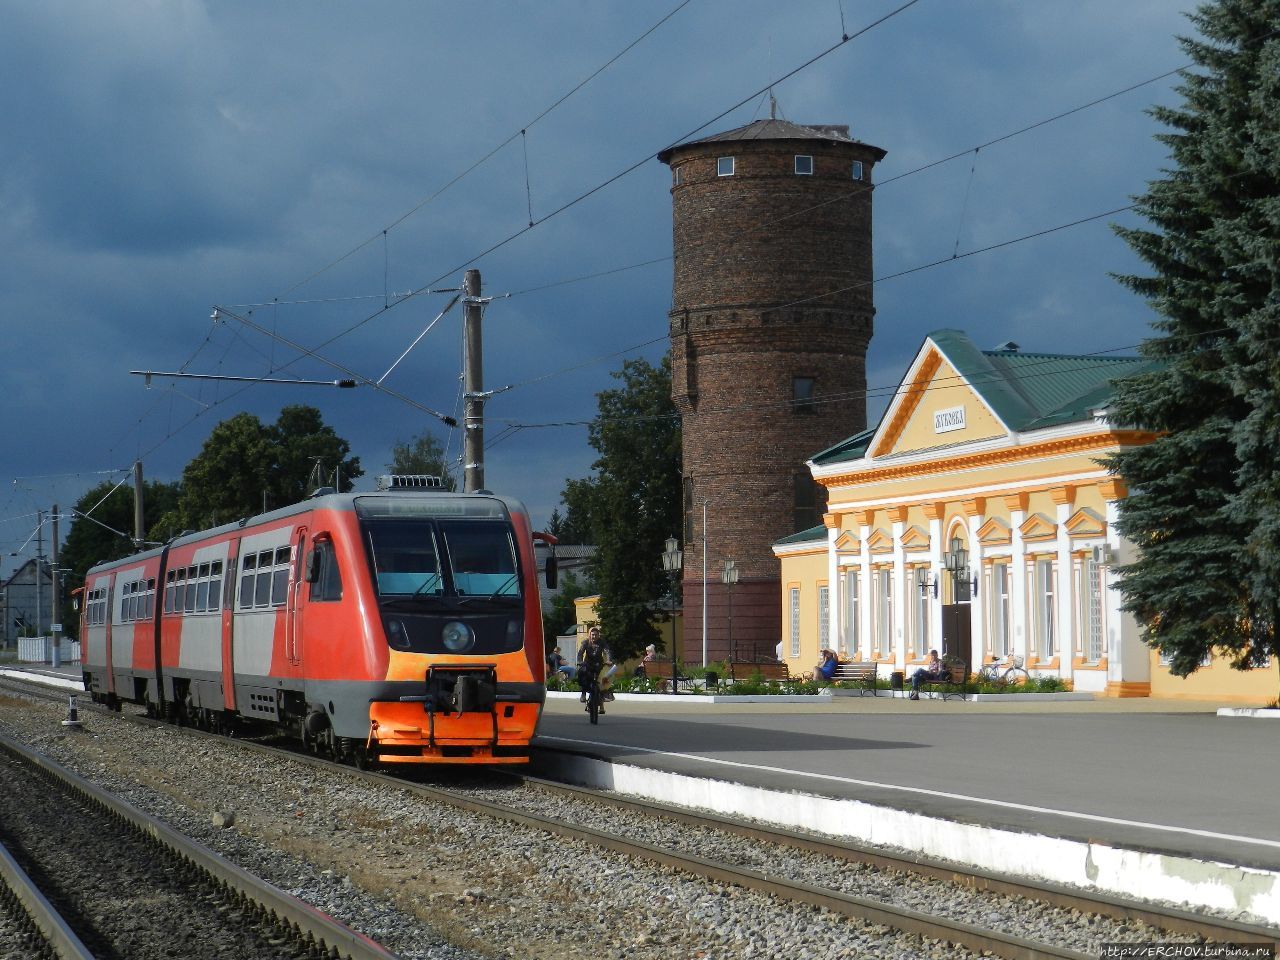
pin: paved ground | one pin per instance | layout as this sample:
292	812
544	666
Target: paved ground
1161	775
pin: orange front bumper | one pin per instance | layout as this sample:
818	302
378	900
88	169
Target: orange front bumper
408	733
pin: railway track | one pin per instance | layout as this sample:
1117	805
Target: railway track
99	878
674	834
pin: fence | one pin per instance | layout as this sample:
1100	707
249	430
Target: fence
40	650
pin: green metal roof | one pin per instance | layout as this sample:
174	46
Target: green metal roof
818	533
1026	391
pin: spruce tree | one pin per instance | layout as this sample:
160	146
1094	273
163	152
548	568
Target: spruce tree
1204	501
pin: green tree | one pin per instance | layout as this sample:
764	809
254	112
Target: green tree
632	503
102	529
1204	506
422	455
561	613
246	467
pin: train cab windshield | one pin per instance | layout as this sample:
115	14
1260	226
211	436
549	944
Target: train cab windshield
445	583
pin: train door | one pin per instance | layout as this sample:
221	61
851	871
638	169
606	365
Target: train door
106	637
229	583
294	607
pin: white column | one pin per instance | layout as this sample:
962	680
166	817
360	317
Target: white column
865	600
901	604
977	602
936	567
1064	595
834	614
1020	640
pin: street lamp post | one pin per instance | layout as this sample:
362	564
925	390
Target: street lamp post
729	577
704	581
673	563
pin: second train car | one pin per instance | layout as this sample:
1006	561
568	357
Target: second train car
402	625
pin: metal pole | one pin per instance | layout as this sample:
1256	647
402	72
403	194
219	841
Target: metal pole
704	581
137	503
56	616
473	388
675	663
39	564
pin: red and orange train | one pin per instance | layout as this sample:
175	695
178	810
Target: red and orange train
402	625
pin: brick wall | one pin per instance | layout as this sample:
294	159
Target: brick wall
772	282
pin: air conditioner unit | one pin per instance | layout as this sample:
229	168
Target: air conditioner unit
401	481
1102	553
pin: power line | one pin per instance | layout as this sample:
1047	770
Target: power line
484	159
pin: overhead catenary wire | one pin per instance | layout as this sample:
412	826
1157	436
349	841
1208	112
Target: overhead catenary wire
493	152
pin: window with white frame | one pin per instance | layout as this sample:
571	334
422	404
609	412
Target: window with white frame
724	166
920	610
1000	609
804	165
1090	609
1044	608
849	631
824	617
795	621
857	169
676	176
884	611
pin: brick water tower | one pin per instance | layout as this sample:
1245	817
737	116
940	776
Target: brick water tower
772	314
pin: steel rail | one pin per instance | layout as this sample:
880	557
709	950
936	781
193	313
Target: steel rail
1172	919
301	916
61	939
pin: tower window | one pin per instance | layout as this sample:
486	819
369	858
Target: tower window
802	394
809	502
857	169
676	174
804	165
724	166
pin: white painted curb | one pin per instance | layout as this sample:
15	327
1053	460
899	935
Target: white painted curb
66	683
825	695
1193	883
1256	713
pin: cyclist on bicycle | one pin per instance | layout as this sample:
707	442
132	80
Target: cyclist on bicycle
591	659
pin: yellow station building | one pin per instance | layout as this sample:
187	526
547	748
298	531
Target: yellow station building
977	519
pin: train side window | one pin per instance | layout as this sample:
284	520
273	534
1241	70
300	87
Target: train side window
328	585
202	589
151	598
126	604
248	566
168	592
262	588
215	587
189	605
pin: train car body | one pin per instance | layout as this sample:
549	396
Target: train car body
397	626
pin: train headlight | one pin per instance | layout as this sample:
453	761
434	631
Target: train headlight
397	635
458	637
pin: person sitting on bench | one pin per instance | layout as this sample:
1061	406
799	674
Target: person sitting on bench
826	668
931	671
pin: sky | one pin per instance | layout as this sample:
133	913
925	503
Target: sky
304	166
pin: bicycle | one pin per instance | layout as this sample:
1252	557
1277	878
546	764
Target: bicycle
1014	673
595	698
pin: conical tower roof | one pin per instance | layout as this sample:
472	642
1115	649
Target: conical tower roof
774	129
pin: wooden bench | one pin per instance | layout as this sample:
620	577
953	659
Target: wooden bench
767	670
954	682
660	670
861	674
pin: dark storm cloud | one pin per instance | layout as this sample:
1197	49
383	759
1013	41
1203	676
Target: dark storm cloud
162	157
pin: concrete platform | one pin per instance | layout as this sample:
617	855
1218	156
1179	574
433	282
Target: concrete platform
1127	796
